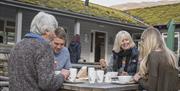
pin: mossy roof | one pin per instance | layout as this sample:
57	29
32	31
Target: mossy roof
78	6
158	15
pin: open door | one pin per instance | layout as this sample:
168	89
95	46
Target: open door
98	46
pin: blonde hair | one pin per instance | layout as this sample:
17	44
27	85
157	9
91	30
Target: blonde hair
151	39
119	37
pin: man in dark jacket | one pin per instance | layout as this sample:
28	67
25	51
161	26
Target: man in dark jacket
31	63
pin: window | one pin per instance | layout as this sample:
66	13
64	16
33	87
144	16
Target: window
7	32
176	41
136	37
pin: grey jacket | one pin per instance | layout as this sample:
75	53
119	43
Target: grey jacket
31	67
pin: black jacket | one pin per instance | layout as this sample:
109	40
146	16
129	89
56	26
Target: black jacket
131	56
75	51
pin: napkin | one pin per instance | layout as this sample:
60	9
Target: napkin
82	74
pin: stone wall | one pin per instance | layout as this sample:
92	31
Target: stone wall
4	55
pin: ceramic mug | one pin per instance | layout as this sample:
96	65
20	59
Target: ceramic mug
73	74
91	75
100	76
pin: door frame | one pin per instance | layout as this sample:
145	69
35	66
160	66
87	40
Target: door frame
92	51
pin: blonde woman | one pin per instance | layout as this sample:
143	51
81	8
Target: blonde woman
124	56
158	68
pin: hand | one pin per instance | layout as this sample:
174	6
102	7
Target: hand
102	63
65	73
124	73
136	77
55	64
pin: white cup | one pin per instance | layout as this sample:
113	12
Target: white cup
107	78
109	75
91	75
100	76
73	74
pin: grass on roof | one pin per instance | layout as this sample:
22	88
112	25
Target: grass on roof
158	15
78	7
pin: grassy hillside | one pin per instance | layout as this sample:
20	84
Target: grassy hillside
78	7
159	14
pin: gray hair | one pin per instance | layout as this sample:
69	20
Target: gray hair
43	22
119	37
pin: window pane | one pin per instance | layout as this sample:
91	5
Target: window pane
10	23
1	30
7	32
10	35
1	25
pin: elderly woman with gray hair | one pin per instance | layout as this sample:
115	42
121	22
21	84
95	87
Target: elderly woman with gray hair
124	56
31	60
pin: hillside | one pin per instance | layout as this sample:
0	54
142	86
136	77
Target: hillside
77	6
157	15
128	6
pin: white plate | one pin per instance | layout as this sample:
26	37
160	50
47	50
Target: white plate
120	83
124	79
76	81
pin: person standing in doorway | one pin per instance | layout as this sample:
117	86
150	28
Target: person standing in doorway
75	49
31	62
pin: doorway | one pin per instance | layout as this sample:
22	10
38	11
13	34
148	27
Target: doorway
98	45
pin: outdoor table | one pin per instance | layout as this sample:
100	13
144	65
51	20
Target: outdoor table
88	65
4	83
99	87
